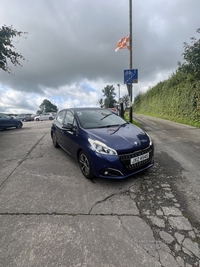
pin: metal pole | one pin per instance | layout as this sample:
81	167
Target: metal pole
118	91
118	99
130	36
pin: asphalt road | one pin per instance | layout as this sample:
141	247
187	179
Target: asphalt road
50	215
178	147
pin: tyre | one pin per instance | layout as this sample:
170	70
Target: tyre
54	139
37	119
24	119
50	118
85	165
19	125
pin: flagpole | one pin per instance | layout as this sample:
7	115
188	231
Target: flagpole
130	36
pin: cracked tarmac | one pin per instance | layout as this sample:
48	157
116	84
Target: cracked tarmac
173	240
50	218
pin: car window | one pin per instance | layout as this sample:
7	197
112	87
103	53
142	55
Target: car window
69	118
4	116
60	116
98	118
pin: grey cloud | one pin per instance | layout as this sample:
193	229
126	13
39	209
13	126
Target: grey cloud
69	41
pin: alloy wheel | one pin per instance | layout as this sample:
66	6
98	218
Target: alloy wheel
85	165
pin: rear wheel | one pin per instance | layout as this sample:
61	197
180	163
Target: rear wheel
37	119
19	125
85	165
54	139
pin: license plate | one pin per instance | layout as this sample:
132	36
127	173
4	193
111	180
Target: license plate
139	158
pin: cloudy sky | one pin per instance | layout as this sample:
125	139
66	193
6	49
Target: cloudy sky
70	48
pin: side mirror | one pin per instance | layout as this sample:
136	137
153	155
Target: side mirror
67	126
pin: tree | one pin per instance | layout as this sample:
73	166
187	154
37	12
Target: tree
191	56
101	102
47	107
7	48
109	94
125	100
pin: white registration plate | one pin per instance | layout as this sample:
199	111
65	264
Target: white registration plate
139	158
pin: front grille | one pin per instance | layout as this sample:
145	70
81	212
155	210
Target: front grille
126	158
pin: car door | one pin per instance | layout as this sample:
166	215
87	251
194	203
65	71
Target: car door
2	121
70	137
6	121
46	117
58	126
42	117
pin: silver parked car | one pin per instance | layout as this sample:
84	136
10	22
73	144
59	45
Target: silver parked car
44	117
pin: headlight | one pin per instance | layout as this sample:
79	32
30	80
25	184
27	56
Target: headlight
101	147
150	141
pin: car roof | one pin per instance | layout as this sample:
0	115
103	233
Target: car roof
84	108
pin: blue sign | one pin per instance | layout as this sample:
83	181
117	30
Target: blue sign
131	76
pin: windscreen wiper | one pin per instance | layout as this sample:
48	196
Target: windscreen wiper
106	116
123	124
107	126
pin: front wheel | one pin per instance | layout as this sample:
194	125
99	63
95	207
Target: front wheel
54	139
85	165
19	125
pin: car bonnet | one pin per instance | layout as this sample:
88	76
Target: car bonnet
127	137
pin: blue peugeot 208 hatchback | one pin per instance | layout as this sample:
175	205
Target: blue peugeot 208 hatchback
103	143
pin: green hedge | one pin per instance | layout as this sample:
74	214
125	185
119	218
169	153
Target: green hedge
177	99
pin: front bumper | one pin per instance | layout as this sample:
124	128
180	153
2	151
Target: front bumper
119	166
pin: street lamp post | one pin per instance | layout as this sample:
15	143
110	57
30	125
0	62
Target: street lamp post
118	105
130	36
118	92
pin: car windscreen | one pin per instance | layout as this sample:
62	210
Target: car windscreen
98	118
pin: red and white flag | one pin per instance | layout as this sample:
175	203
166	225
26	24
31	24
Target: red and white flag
123	43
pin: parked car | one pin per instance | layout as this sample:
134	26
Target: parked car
33	116
24	117
44	117
103	143
9	122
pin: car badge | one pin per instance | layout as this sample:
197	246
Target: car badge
136	144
